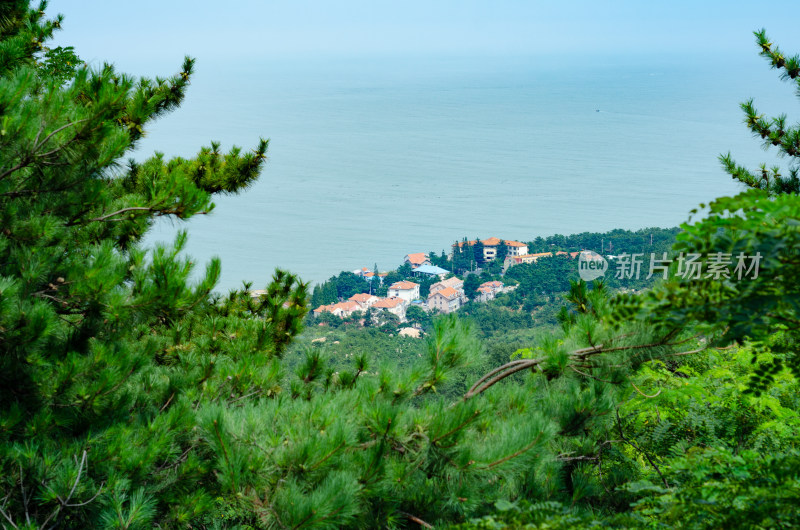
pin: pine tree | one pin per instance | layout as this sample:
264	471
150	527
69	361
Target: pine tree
502	252
774	132
477	252
108	350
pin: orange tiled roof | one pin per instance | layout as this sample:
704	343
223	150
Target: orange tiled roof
388	303
404	285
361	297
493	242
492	285
417	258
447	292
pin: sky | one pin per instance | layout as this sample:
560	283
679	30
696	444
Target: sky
131	33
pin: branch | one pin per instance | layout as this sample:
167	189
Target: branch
24	497
621	435
645	395
4	514
511	368
132	208
26	159
514	455
590	376
500	373
335	449
77	479
458	428
690	352
415	519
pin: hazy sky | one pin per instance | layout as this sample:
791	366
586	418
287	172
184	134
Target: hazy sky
130	32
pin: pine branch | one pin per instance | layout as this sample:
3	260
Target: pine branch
516	454
513	367
415	519
326	457
457	428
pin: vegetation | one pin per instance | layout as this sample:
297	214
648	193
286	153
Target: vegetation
131	397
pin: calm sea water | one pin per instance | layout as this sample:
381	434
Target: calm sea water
371	159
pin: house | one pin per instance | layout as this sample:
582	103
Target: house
370	275
484	294
417	260
341	310
395	306
445	300
328	309
364	300
489	290
490	246
406	290
453	282
430	271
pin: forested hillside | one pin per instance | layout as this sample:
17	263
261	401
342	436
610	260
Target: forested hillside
134	397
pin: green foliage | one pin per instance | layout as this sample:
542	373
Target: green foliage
60	63
132	397
615	241
716	488
471	284
111	356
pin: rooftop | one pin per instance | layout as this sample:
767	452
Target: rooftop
404	285
448	292
417	257
433	270
388	303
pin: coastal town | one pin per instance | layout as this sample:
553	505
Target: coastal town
447	294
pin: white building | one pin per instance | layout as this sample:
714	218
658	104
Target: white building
406	290
395	306
364	300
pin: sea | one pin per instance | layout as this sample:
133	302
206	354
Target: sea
375	157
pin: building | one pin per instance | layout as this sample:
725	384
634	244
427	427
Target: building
395	306
370	275
453	282
417	260
332	309
364	300
430	271
490	246
489	290
406	290
445	300
341	310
